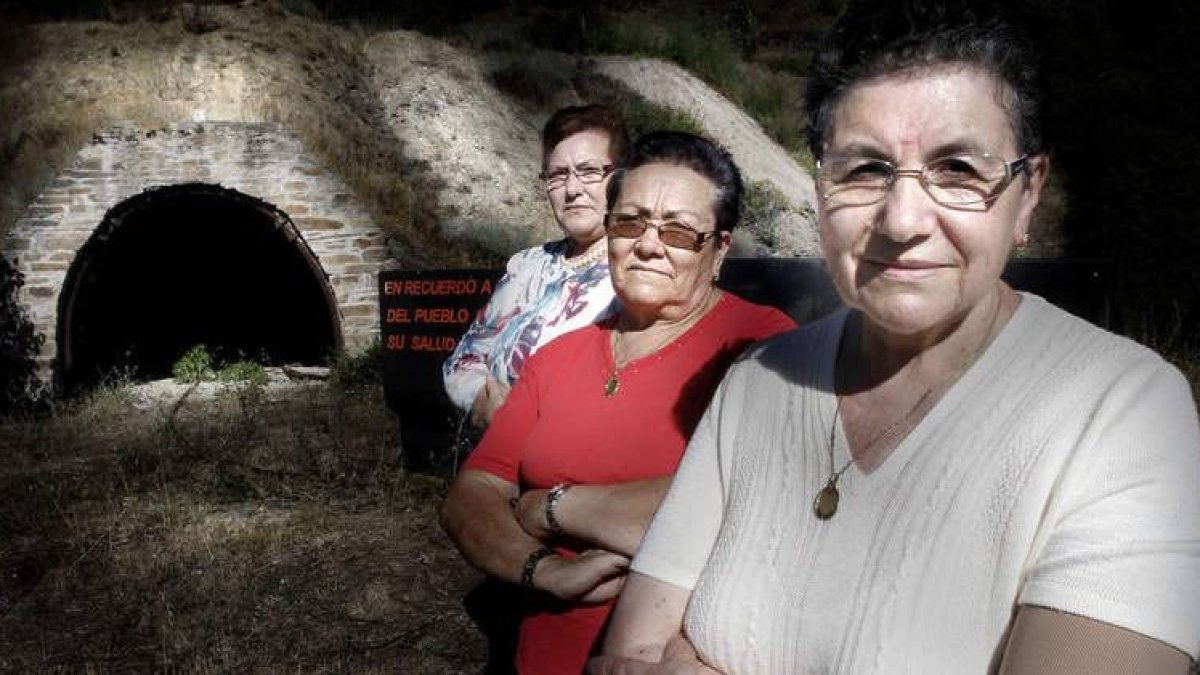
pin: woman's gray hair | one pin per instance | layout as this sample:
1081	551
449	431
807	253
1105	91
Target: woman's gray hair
873	38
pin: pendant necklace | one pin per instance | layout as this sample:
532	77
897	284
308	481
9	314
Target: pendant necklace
613	384
825	504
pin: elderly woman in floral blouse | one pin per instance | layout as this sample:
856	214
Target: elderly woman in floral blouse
554	288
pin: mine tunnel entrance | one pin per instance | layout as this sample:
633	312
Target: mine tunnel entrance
192	264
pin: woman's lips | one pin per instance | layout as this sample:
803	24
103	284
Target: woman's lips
907	269
645	270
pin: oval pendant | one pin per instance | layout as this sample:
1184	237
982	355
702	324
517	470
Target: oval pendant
826	503
612	385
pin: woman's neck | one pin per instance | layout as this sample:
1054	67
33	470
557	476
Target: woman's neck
635	336
578	249
886	385
633	319
871	355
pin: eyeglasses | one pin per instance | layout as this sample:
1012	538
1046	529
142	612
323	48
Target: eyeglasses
964	179
670	232
587	174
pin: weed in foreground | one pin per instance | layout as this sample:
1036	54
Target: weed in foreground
351	372
166	537
194	366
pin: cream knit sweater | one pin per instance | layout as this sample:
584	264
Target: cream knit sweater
1061	470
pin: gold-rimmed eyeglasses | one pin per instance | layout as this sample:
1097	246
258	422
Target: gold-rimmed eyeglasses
671	233
587	174
958	180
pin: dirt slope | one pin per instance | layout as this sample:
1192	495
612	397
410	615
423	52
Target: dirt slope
759	157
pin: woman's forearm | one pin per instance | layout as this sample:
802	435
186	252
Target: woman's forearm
478	516
679	658
612	517
646	621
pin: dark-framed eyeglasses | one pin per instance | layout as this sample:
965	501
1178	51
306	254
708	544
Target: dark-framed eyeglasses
587	174
671	233
960	180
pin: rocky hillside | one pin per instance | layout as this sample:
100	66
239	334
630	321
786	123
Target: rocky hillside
439	138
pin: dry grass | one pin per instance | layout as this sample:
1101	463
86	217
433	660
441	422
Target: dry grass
247	533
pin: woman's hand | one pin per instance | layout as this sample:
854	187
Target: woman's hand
530	511
679	658
591	577
490	397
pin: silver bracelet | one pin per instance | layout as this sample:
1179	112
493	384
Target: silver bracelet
552	498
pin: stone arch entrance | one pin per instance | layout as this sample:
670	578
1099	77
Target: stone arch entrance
126	174
192	264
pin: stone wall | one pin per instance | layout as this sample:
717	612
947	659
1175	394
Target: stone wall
263	161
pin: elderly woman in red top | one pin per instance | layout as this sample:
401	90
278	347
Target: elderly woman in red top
562	486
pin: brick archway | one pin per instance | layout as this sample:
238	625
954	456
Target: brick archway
125	168
192	264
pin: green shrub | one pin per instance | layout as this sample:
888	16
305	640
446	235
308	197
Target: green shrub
773	99
355	372
194	366
247	372
763	206
19	342
645	116
706	51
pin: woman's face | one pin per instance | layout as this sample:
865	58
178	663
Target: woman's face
579	207
649	276
908	263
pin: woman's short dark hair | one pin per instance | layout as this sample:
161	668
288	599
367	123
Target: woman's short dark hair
873	38
566	122
694	152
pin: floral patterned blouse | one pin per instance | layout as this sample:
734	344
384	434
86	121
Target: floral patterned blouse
539	298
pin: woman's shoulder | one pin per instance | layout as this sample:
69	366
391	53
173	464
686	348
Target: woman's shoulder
737	304
568	347
803	354
539	256
758	321
1044	327
820	331
1070	359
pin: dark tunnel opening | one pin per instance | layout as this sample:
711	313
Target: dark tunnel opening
186	265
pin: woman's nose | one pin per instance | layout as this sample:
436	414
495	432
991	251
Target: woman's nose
907	211
648	244
573	185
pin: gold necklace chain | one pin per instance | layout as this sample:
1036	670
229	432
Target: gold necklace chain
613	384
825	504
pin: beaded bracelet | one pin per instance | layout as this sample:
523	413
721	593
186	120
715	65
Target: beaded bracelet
531	566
